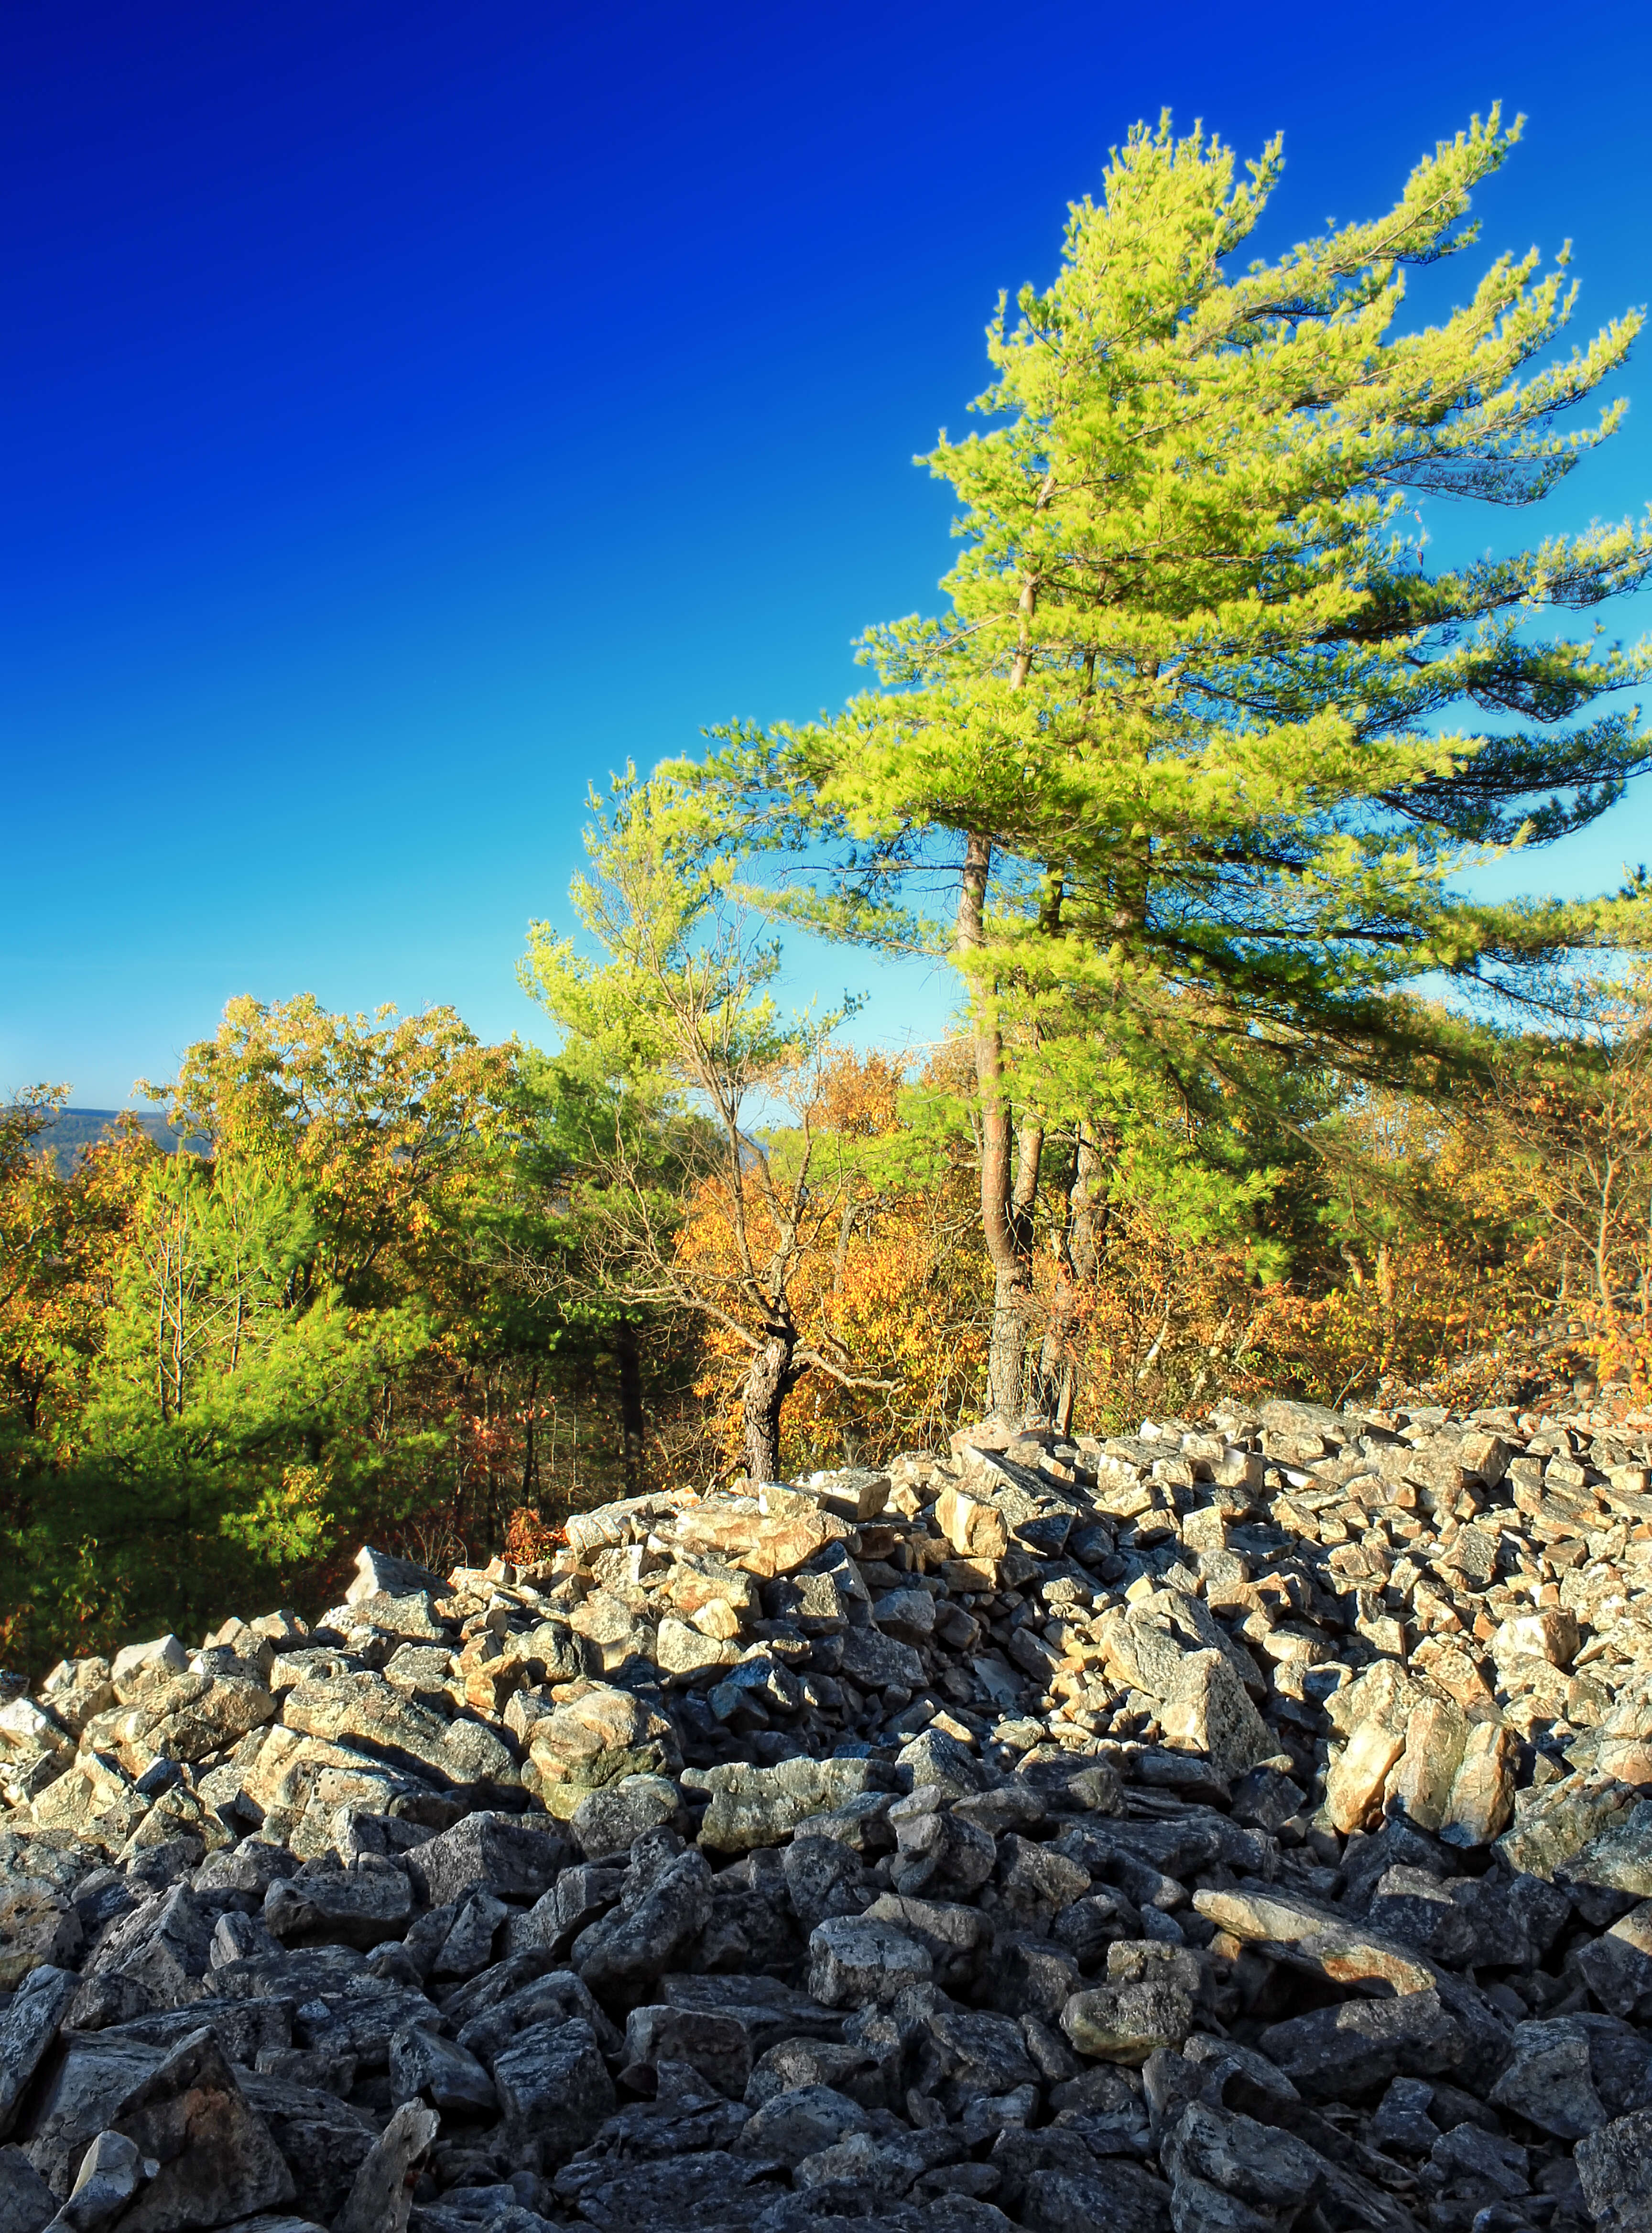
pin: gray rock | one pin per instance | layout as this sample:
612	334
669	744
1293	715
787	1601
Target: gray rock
791	2125
967	2055
379	1573
939	1855
934	1758
855	1963
579	1897
28	2026
379	2201
646	1936
1256	2163
1481	2165
467	1940
511	1858
611	1819
754	1806
424	2065
714	2191
324	2141
1117	2196
1615	2169
1125	2022
823	1877
555	2090
876	1661
1341	2052
111	2172
1549	2081
26	2202
360	1906
217	2158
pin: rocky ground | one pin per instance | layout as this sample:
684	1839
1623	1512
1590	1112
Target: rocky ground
1236	1827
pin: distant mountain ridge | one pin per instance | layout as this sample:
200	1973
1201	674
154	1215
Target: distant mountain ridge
72	1129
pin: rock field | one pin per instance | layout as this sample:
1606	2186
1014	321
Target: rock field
1236	1827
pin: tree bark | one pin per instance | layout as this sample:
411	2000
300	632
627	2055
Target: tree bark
631	1420
1009	1181
1077	1256
767	1385
529	1452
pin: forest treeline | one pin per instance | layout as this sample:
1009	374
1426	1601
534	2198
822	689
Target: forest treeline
1187	786
377	1308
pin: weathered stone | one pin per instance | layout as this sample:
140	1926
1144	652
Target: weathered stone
1355	2048
1256	2163
1353	1785
1482	1791
1207	1709
645	1936
1420	1785
1316	1938
753	1806
1615	2169
27	2204
360	1906
378	1573
854	1963
38	1929
939	1855
1126	2022
217	2159
1118	2196
510	1858
424	2065
876	1661
1550	1635
28	2026
1549	2082
555	2091
792	2126
379	2201
161	1654
593	1741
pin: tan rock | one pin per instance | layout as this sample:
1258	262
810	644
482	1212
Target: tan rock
1450	1666
705	1581
1208	1710
973	1529
37	1925
1316	1939
1419	1786
1357	1777
1550	1635
1482	1791
1384	1692
682	1650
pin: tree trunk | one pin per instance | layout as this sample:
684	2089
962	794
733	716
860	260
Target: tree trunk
631	1422
1009	1183
767	1385
1055	1387
530	1453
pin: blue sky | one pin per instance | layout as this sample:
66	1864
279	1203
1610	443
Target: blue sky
410	412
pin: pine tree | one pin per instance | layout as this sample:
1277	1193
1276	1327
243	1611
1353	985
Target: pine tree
1204	743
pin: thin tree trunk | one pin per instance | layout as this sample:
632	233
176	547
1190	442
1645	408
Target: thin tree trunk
1056	1388
767	1385
1008	1235
529	1456
631	1421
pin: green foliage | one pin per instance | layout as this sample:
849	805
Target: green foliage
1228	739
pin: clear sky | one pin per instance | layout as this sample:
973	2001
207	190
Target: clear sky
411	411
